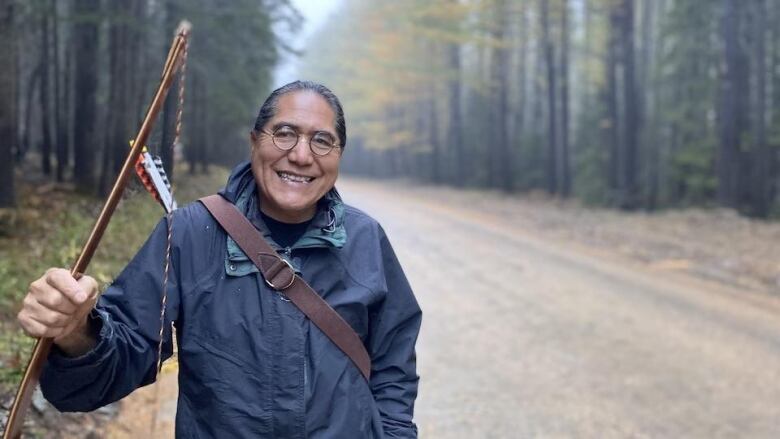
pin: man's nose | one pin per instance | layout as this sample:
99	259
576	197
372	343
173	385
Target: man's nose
301	153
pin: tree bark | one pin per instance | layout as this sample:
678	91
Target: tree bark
116	137
734	86
500	153
521	130
649	54
615	175
455	116
169	108
68	114
45	96
437	155
552	115
564	165
8	90
60	132
632	119
86	51
762	156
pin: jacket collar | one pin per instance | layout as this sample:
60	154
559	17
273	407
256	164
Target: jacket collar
326	229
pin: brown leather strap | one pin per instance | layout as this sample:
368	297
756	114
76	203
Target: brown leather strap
279	275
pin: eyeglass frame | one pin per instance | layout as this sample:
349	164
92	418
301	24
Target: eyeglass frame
335	145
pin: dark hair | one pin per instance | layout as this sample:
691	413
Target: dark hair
269	108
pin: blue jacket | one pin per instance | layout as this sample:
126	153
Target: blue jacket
250	363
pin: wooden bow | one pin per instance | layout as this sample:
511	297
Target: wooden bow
13	427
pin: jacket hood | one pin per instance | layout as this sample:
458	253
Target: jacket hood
241	178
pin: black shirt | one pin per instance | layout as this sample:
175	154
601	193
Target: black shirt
285	234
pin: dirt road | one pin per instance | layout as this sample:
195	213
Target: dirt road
527	336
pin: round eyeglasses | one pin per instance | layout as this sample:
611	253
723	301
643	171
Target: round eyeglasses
286	137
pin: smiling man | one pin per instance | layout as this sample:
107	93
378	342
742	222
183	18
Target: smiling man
251	363
291	180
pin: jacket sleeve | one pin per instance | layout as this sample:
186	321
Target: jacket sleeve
394	327
127	319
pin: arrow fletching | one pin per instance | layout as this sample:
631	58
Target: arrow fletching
152	174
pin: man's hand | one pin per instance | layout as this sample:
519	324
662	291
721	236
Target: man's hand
56	306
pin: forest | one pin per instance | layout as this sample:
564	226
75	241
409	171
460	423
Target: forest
635	104
77	76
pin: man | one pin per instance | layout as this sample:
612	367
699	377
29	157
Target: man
251	364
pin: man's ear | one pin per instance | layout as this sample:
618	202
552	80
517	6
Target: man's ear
253	136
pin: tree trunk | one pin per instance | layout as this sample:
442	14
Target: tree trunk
8	90
26	129
169	108
437	155
615	174
762	155
649	54
500	153
552	115
117	136
195	118
455	116
60	132
521	130
68	114
774	166
632	120
564	165
734	86
44	96
86	52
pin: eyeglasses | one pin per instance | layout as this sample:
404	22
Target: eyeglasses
286	137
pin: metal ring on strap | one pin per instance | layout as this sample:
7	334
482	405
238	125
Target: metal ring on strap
292	277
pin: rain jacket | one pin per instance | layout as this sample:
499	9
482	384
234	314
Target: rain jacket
250	363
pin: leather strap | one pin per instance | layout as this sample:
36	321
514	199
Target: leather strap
279	275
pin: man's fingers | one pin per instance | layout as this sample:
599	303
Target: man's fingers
49	317
57	303
53	299
90	285
62	281
35	328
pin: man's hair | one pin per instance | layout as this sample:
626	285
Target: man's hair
269	108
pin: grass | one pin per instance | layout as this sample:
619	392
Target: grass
48	229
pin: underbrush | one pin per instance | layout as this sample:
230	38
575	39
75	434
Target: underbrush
48	229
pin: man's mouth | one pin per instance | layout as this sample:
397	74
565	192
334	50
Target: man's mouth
294	178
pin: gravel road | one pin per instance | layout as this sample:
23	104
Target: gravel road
525	335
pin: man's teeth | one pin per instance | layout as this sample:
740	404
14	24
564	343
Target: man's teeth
295	178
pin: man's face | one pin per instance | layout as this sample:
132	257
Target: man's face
291	182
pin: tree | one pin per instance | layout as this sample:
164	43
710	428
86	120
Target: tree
455	113
733	104
501	175
61	85
8	132
631	125
762	157
85	39
564	163
552	108
45	94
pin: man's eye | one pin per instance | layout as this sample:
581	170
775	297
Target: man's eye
323	140
285	133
